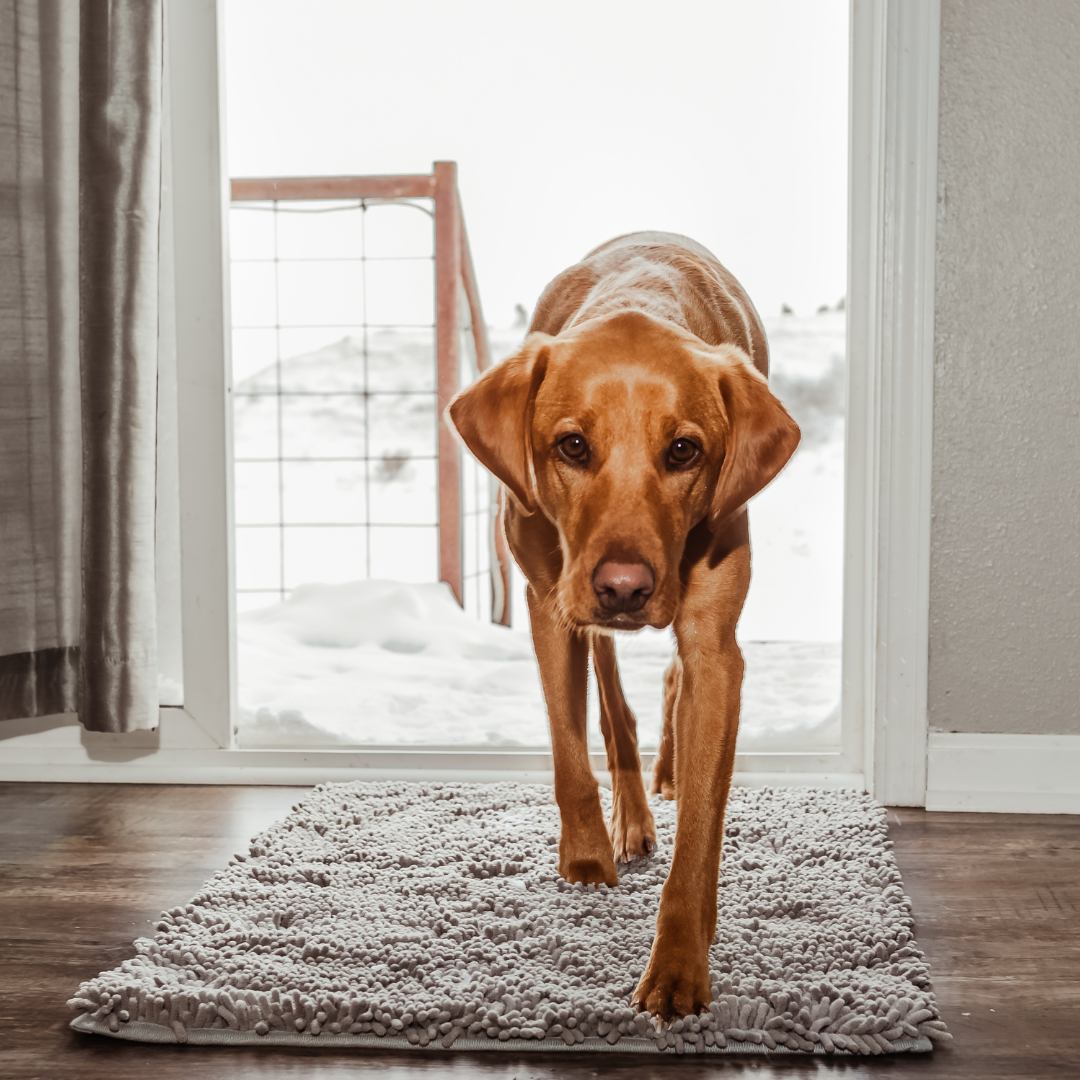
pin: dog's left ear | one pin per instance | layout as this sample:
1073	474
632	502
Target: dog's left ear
761	436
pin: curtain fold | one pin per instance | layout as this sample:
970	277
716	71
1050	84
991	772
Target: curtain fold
120	58
80	182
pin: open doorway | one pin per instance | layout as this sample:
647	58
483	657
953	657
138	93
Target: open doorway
570	125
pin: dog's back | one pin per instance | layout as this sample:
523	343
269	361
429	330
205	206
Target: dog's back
666	275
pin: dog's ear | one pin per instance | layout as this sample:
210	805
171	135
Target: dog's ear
494	417
761	436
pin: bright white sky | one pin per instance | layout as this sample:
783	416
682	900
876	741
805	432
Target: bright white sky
571	122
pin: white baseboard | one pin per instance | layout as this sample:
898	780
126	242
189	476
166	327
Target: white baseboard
1000	774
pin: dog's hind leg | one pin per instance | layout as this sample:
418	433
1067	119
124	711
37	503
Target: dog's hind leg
633	832
663	777
563	656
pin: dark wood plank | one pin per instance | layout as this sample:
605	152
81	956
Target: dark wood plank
997	910
84	869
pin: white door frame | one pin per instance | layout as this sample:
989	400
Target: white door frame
895	50
892	180
195	42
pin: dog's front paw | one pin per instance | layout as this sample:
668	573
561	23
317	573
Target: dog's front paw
633	832
674	984
588	860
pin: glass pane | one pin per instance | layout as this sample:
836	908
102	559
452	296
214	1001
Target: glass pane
403	491
362	659
323	358
409	555
791	695
400	292
478	596
397	230
251	231
403	425
468	485
320	294
319	230
253	294
791	625
468	540
257	493
324	555
255	426
258	558
401	360
322	425
254	358
321	492
253	601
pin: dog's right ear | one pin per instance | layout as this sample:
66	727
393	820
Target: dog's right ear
761	435
494	417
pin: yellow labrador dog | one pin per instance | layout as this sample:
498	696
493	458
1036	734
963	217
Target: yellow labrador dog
630	431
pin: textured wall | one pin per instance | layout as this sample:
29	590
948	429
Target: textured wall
1005	547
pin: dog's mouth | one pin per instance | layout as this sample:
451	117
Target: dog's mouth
622	620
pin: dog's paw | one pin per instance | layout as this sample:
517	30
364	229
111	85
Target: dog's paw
671	987
589	863
633	832
663	784
590	872
663	775
636	840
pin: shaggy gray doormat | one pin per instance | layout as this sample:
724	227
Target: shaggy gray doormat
431	915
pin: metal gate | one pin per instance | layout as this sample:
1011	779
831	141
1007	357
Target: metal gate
472	556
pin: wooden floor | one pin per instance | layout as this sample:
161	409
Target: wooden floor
84	869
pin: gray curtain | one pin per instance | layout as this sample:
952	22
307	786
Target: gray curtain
80	186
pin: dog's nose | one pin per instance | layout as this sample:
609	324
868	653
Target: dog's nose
622	586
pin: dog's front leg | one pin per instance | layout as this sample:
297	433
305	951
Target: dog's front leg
706	723
633	831
585	852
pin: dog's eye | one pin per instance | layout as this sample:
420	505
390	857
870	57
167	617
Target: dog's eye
574	448
682	452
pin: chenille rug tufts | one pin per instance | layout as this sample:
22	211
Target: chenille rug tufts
432	915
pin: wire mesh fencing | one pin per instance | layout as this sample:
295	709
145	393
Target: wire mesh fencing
355	320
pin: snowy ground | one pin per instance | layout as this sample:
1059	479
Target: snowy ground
345	661
385	662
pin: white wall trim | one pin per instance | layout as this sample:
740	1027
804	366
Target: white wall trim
997	774
892	215
204	385
180	751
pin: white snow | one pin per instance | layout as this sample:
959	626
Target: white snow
347	661
385	662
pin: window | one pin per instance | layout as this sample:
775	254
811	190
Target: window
335	430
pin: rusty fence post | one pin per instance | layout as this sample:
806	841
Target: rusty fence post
448	363
500	563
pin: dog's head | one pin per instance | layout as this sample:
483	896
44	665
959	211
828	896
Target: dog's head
625	432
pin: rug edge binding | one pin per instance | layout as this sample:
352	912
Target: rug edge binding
143	1032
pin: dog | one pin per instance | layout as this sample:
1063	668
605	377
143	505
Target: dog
629	432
